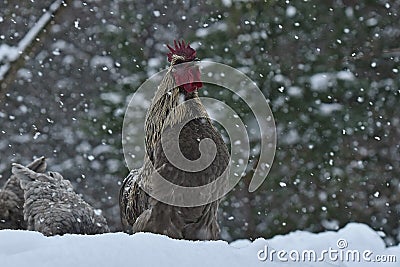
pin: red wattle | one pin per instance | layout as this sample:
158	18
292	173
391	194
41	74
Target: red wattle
188	77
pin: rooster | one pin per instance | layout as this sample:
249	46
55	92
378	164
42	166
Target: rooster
139	211
53	208
12	199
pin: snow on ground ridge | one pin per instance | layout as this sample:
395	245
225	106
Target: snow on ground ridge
24	248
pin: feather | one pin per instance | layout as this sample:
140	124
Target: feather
53	208
12	199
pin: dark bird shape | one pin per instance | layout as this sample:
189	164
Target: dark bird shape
53	208
141	212
12	199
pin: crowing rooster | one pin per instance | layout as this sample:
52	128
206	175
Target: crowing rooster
12	199
139	211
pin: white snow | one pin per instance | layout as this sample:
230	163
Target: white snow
371	22
216	27
156	13
24	248
345	75
153	65
227	3
8	53
327	109
24	74
322	81
292	137
113	97
291	11
102	61
295	91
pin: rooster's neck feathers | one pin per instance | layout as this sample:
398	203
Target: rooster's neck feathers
166	109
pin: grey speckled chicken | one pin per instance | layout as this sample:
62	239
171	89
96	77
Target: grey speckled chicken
53	208
12	199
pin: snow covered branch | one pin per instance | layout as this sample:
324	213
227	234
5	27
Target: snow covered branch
10	54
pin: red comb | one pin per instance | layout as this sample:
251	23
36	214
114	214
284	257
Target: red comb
181	49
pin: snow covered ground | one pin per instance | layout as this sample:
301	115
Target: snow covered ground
23	248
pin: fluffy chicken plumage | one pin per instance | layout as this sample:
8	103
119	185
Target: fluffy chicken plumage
12	199
53	208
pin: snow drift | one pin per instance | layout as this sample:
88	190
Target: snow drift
24	248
